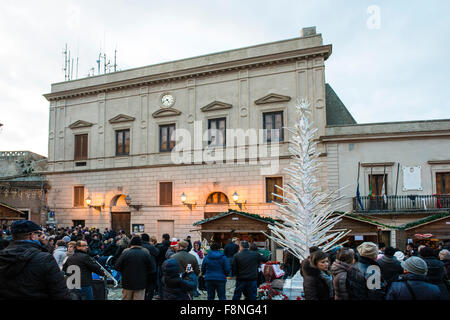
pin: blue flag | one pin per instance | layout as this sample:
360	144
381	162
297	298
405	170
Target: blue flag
358	196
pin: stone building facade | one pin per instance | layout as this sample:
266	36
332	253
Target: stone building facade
22	186
109	165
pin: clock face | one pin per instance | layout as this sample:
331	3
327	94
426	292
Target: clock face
167	100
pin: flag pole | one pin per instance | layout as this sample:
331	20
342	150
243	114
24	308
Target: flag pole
396	187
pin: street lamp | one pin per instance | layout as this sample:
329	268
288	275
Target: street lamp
135	206
236	198
88	201
183	201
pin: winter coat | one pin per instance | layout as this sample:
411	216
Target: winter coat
447	268
363	264
184	258
169	254
420	287
245	265
391	269
175	287
315	286
195	254
87	265
110	249
339	271
60	254
356	284
95	247
436	274
151	248
162	247
137	266
216	266
230	249
28	271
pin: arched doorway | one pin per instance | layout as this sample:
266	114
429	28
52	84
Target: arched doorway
216	198
120	214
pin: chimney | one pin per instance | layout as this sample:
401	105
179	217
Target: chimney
308	32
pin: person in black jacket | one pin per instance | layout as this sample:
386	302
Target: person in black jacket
27	270
95	246
154	252
138	268
86	265
245	266
176	286
317	282
231	248
367	261
436	273
110	248
390	266
413	285
162	247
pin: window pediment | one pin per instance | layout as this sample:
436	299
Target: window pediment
272	98
216	105
167	112
121	118
80	124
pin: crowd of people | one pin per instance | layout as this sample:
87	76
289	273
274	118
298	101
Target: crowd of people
376	272
36	262
172	269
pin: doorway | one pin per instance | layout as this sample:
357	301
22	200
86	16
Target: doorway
165	226
121	221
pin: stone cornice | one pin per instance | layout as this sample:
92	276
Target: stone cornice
385	136
205	70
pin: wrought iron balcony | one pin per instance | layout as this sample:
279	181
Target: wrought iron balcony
409	203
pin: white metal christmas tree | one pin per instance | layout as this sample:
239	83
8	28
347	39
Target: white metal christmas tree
307	214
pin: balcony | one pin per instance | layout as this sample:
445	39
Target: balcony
411	203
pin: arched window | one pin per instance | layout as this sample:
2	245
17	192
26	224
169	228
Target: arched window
217	198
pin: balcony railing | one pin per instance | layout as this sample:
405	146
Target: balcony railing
411	203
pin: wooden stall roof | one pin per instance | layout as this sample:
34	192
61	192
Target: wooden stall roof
439	228
234	221
10	213
357	226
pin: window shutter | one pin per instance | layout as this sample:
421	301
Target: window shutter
84	146
81	147
78	196
165	193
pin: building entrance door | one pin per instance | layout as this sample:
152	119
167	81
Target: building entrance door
121	221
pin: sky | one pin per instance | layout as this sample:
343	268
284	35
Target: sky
389	60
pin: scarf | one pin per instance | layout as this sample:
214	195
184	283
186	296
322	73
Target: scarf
199	253
329	280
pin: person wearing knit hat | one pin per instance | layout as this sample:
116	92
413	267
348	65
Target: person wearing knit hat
368	250
413	285
367	264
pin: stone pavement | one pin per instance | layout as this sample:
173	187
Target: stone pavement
116	293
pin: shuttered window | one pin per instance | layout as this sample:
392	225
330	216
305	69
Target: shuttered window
81	147
165	193
166	138
273	123
377	184
271	183
443	182
123	142
78	196
216	134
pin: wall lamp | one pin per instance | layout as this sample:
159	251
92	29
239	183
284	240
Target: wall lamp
96	206
236	198
135	206
183	200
